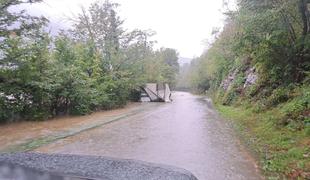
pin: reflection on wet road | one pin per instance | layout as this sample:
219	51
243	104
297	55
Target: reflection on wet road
186	133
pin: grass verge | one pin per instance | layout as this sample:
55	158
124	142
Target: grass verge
283	153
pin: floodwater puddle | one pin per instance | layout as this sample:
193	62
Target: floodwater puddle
21	132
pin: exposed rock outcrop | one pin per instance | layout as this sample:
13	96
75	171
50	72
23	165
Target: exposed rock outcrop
226	83
251	77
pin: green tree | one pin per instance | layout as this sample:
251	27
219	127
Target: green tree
23	63
96	65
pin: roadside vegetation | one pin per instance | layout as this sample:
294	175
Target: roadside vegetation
257	71
95	65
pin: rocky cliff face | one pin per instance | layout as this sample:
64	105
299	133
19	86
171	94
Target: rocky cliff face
250	78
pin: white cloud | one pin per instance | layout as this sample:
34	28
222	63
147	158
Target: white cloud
180	24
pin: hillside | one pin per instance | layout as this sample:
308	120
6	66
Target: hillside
257	72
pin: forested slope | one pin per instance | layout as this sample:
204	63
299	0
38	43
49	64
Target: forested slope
95	65
257	71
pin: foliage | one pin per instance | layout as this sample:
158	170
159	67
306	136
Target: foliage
271	36
96	65
296	111
281	151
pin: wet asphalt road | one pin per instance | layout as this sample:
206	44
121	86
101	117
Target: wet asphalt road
186	133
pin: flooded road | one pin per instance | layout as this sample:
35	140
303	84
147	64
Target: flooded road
186	133
19	133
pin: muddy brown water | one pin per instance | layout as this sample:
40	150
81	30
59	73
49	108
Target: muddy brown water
21	132
186	133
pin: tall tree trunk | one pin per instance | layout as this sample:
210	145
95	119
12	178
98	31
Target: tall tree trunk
302	51
303	8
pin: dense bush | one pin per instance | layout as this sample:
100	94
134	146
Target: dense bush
278	96
296	112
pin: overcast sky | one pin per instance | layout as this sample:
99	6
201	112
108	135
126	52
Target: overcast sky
184	25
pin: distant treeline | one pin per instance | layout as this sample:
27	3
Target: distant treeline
93	66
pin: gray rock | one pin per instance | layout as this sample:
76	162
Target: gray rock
226	83
251	77
69	167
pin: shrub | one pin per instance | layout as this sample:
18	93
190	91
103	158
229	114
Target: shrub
230	97
296	111
278	96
